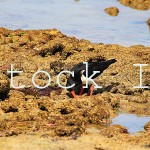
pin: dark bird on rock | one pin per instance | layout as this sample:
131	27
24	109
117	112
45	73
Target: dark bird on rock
80	76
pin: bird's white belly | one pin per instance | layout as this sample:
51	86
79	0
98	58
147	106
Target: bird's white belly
83	79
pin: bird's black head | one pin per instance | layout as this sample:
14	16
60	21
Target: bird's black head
70	82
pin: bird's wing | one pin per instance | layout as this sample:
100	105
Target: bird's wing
98	66
92	66
78	69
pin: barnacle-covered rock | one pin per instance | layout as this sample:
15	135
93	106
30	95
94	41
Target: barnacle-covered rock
4	86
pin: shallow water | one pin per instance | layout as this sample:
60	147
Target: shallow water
84	19
132	122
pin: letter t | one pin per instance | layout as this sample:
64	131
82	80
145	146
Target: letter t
11	78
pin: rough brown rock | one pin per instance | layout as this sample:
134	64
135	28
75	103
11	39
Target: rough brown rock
30	109
4	86
114	130
112	11
148	23
136	4
147	126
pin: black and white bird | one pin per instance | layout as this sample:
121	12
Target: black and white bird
80	76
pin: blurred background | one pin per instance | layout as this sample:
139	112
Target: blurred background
84	19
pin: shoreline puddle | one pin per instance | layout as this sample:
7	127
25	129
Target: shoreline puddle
132	122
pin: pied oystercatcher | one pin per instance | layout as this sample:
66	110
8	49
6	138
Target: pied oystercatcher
80	74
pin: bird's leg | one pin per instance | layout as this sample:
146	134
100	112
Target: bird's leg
81	90
73	94
91	90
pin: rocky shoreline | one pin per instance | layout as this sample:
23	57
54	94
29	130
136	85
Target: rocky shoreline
27	111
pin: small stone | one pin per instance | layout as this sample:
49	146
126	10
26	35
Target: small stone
147	126
148	23
112	11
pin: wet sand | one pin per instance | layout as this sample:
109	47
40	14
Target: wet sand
85	142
